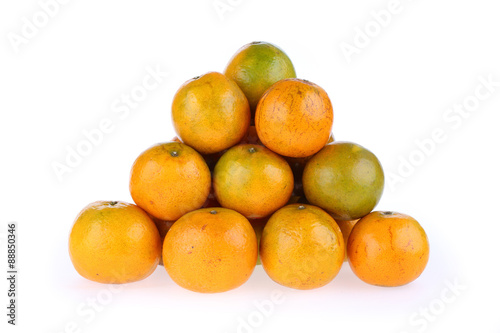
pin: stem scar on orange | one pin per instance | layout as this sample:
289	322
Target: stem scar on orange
294	118
169	180
387	249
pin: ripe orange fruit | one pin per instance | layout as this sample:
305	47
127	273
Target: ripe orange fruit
346	228
257	66
294	118
169	180
252	180
210	250
345	179
114	242
211	200
298	163
210	113
258	225
301	247
387	249
251	136
163	227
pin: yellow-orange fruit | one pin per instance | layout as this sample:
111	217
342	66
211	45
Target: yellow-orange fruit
114	242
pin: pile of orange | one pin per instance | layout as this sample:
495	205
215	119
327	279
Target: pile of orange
254	176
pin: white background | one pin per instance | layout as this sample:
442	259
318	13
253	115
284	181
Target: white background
68	76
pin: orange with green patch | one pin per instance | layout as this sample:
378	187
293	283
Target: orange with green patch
345	179
210	113
257	66
252	180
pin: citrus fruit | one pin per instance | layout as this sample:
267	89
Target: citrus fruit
256	66
211	200
163	227
298	163
387	249
210	113
301	248
258	225
345	179
252	180
346	228
251	136
169	180
114	242
210	250
294	118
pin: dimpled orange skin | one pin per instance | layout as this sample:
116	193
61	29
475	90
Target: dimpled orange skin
387	249
252	180
294	118
210	250
301	247
169	180
346	228
210	113
114	242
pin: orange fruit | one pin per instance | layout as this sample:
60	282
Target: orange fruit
258	225
345	179
211	200
169	180
252	180
210	113
163	227
301	247
210	250
387	249
251	136
114	242
294	118
346	228
257	66
298	163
